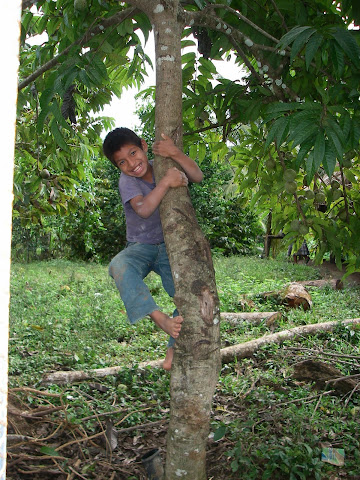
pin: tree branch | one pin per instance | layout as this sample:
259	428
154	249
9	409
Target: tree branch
280	15
244	19
236	37
90	33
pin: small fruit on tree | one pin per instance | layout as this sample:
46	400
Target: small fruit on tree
320	197
289	175
309	194
303	229
80	5
336	195
45	174
295	225
270	163
291	187
346	162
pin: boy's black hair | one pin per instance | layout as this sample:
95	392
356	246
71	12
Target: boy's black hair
116	139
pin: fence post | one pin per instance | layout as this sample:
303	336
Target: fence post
9	39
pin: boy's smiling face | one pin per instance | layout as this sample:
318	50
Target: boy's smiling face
132	160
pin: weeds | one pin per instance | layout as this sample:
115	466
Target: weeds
266	424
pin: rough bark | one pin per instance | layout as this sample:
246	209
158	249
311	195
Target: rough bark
242	350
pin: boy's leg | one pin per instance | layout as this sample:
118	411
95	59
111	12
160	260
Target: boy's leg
162	268
168	358
129	268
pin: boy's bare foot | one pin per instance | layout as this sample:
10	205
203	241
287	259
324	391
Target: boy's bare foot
168	359
171	326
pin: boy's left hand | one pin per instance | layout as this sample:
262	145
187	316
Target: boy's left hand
165	147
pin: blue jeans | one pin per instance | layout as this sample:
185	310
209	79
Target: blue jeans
129	268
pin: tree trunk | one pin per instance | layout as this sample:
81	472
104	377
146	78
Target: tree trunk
9	36
196	362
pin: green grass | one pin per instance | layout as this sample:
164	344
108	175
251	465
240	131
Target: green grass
67	315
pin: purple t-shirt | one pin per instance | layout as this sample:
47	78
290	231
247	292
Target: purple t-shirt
138	229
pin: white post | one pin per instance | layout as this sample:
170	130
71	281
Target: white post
9	39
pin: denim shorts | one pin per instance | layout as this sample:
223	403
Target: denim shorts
129	268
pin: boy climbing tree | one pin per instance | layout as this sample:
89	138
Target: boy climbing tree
145	250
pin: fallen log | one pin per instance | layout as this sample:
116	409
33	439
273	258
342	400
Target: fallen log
293	295
252	317
228	354
247	349
334	283
323	374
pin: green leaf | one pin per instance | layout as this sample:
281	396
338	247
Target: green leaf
272	132
193	151
126	27
57	135
219	433
45	97
310	167
312	47
345	125
282	131
41	119
348	44
208	65
338	60
333	124
144	24
55	109
202	152
274	109
85	79
49	451
34	184
304	149
292	35
337	145
188	58
100	67
330	159
300	41
302	132
335	135
26	19
351	177
319	150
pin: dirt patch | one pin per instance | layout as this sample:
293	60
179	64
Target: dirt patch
330	270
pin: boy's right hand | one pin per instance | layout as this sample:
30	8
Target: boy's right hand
175	178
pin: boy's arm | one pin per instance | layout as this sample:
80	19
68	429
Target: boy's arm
167	148
146	206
